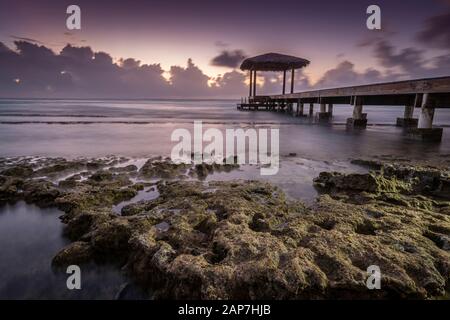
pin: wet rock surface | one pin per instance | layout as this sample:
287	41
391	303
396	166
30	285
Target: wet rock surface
245	239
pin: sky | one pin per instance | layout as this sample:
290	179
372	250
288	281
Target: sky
193	48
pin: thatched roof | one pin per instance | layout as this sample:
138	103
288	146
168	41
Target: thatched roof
273	62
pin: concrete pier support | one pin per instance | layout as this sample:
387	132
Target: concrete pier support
409	112
311	110
426	118
359	119
300	109
408	120
425	130
323	116
323	107
290	108
330	109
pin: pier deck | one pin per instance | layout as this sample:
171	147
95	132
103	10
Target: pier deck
426	94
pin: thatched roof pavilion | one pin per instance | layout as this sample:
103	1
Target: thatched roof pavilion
273	62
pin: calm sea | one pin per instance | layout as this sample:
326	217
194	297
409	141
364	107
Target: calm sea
142	128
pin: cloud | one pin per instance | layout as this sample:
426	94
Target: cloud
76	72
33	70
4	49
189	81
230	83
442	63
436	32
80	72
230	59
25	39
80	54
344	74
129	63
409	60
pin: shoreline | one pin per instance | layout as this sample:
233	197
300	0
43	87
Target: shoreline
246	239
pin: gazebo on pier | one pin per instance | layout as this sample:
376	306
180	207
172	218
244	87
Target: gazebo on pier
272	62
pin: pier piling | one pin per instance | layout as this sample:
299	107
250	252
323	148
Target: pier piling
423	94
300	109
323	116
425	130
311	110
408	120
359	119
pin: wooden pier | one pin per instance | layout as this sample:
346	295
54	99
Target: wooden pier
424	94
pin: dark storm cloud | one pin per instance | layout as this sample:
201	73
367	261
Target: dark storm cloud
230	59
436	32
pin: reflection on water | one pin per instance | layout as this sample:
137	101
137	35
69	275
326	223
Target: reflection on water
29	238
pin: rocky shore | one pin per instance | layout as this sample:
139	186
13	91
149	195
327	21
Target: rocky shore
246	239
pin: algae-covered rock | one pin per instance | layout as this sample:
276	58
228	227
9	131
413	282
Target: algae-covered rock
154	169
369	182
40	192
109	240
231	242
246	239
201	171
75	253
10	187
20	171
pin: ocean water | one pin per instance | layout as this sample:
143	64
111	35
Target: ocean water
29	239
30	236
141	128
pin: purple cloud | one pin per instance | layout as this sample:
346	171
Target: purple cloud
230	59
436	32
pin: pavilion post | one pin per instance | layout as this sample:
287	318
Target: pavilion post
284	81
251	83
254	83
292	80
